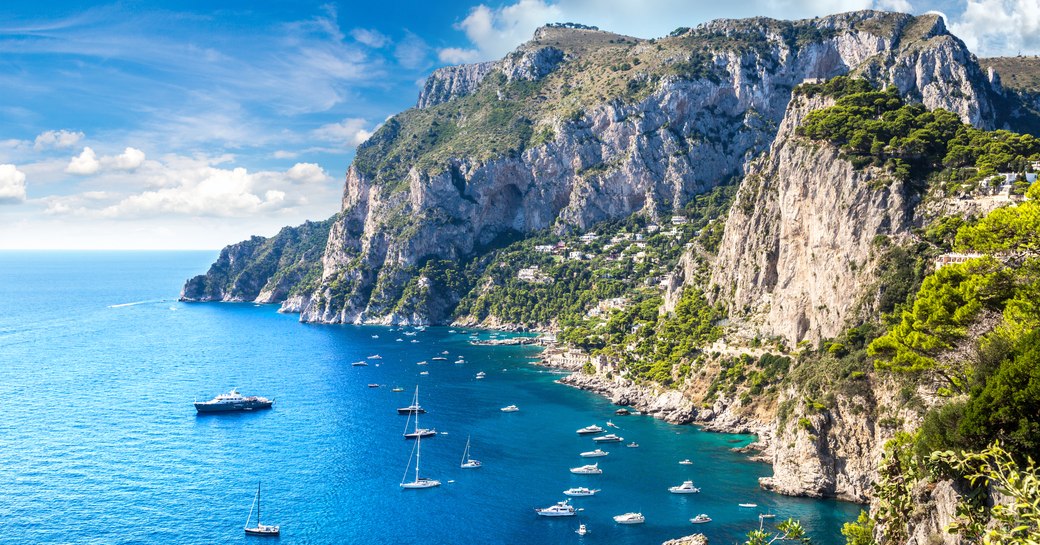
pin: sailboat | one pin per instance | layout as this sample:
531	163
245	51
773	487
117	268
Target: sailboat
259	529
419	482
467	462
419	432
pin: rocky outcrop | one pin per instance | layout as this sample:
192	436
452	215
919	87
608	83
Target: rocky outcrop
451	82
666	404
264	270
799	247
695	539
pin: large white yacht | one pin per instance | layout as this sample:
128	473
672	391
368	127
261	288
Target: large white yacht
685	488
580	491
594	453
561	509
590	430
608	438
591	469
630	518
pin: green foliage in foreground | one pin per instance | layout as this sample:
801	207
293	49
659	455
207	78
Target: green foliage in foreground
788	530
878	128
860	532
1014	519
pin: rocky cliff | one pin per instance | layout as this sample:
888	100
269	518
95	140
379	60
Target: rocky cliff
264	270
578	126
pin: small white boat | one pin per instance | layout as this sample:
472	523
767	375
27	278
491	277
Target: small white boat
451	331
360	364
439	358
510	409
686	462
590	469
423	362
561	509
420	432
580	491
633	444
375	357
424	373
481	375
582	530
590	430
612	425
685	488
445	352
608	438
460	361
767	516
399	339
375	336
594	453
748	505
467	462
630	518
397	389
700	519
414	341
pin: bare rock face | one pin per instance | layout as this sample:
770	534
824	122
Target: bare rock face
797	252
695	539
616	158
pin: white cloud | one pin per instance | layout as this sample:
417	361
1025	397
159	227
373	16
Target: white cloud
903	6
458	55
285	154
350	132
12	185
999	27
495	32
184	186
57	139
130	159
412	52
370	37
85	163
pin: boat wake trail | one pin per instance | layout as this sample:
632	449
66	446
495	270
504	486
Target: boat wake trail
121	305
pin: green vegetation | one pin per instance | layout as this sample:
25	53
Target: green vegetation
1012	228
878	128
788	530
860	532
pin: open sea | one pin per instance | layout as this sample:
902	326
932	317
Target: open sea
99	442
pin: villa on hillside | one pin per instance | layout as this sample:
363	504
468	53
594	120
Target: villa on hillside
532	274
952	258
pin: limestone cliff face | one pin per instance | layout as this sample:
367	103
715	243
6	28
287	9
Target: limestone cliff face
798	250
611	159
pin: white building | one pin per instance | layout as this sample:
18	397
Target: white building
679	220
952	258
589	237
544	248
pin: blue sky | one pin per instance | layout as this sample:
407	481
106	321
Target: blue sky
149	124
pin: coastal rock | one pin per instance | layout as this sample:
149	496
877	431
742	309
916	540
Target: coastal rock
668	405
695	539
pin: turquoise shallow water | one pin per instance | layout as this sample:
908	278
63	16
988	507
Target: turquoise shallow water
99	442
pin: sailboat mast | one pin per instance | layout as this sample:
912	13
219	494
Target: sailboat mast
418	452
257	504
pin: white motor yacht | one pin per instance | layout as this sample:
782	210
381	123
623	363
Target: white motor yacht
594	453
580	491
510	409
591	469
481	375
700	519
630	518
685	488
587	430
686	462
608	438
561	509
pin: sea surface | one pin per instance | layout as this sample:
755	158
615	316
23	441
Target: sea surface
99	442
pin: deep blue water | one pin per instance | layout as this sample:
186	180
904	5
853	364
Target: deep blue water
99	442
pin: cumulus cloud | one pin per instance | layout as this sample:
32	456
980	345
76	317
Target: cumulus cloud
370	37
84	164
351	132
197	188
57	139
999	27
130	159
412	52
494	32
285	154
12	185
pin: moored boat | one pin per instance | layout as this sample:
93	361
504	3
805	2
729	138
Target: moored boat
608	438
510	409
685	488
582	530
587	430
686	462
414	408
700	519
594	453
233	401
561	509
630	518
467	462
360	363
590	469
259	529
580	491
